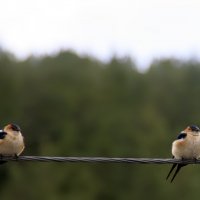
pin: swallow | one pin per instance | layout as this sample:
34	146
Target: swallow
186	146
11	140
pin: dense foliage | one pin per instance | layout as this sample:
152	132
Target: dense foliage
69	105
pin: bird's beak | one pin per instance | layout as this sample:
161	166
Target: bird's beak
183	132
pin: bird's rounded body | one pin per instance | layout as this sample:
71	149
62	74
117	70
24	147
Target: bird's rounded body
11	141
12	145
187	148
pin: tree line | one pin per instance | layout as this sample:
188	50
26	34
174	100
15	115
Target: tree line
72	105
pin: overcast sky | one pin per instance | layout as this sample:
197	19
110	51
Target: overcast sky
143	29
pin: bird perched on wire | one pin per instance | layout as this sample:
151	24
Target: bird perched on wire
186	146
11	141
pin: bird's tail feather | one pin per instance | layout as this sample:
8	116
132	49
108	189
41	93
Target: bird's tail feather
177	170
173	166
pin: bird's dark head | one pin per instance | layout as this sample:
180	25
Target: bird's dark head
192	129
12	127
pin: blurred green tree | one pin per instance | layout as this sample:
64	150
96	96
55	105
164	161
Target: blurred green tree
68	105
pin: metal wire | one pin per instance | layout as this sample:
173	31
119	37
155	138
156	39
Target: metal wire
99	160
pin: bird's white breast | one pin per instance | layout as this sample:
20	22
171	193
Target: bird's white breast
188	148
12	144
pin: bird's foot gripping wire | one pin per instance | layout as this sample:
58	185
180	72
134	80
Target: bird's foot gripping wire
195	160
16	157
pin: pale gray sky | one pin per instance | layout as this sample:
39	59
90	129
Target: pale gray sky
143	29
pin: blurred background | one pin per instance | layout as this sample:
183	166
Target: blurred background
99	78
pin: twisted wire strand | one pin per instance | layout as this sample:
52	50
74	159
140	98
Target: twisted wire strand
98	160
